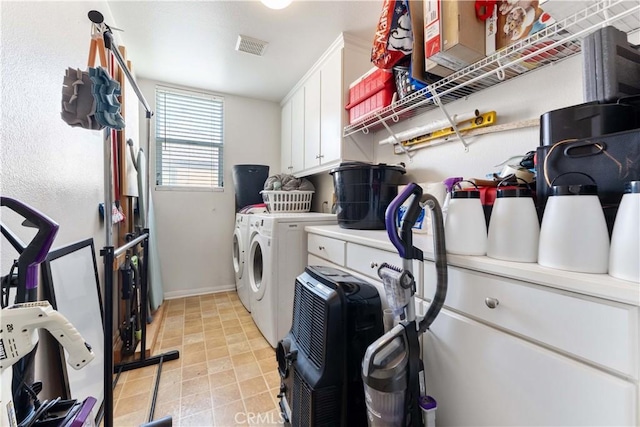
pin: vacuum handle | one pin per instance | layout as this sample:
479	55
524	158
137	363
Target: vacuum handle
38	248
403	245
380	343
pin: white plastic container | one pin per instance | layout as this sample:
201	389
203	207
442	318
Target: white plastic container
514	230
465	228
624	256
573	234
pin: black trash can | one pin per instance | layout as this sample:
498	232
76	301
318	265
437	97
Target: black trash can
248	181
363	192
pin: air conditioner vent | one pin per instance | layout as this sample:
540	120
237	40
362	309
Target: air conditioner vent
250	45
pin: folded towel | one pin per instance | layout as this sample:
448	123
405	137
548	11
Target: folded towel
285	182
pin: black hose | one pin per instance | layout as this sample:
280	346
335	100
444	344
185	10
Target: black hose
440	255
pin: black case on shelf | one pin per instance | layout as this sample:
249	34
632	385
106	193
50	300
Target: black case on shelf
611	65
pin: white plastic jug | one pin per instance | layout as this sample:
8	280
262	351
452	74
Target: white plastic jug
465	228
573	234
514	229
624	257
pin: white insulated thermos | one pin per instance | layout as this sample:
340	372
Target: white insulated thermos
624	257
465	228
573	234
514	229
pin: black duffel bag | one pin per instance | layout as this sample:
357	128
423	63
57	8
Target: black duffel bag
611	160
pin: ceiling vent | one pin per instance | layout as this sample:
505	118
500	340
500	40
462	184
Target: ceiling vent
250	45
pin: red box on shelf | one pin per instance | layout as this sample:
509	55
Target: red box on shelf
370	93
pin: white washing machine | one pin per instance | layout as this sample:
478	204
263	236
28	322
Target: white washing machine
277	255
240	253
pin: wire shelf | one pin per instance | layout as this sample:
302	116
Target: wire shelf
554	43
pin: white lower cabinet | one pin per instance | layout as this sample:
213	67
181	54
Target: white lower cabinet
332	250
507	352
367	260
481	376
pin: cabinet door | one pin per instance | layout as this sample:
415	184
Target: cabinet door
312	121
297	131
535	312
331	107
332	250
366	260
480	376
285	146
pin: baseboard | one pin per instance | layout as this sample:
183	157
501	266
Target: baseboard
197	292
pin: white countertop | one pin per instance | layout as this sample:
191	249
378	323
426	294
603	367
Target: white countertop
596	285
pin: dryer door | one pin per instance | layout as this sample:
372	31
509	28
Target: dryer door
258	265
238	254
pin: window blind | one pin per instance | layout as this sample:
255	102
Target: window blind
189	138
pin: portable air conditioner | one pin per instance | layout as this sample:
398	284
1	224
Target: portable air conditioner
335	318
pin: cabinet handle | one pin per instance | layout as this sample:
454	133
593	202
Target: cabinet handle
374	264
290	167
491	302
321	248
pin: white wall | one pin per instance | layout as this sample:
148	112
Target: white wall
521	98
195	228
45	163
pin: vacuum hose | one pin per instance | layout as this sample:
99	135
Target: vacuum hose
440	255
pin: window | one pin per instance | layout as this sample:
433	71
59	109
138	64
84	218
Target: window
189	139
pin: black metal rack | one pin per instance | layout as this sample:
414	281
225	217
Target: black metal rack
109	252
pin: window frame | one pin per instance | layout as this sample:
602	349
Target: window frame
158	157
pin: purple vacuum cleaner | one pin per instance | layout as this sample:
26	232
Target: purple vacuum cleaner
392	368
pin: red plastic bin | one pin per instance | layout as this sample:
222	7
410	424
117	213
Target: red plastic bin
371	92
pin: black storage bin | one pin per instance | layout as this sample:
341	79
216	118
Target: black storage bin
364	191
248	181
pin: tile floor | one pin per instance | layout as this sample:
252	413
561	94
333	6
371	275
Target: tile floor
226	374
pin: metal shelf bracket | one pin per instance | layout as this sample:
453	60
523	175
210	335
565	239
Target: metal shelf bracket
436	99
395	138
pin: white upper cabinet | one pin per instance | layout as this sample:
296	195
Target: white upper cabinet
297	131
292	139
332	102
312	121
320	118
285	145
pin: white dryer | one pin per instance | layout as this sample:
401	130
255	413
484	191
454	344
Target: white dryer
240	253
277	255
